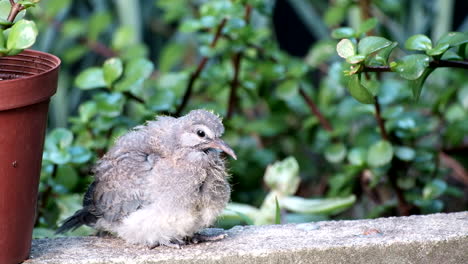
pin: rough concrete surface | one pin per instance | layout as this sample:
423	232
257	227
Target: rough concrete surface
437	238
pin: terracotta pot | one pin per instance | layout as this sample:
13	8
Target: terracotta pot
29	79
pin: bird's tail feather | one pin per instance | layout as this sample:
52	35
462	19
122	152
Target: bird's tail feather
81	217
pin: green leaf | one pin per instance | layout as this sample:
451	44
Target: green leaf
123	37
66	176
90	78
112	70
97	24
381	57
277	212
87	110
287	89
355	59
2	42
79	154
283	176
345	48
343	32
320	52
22	35
335	153
372	44
367	25
411	67
418	42
59	138
405	153
317	206
136	72
416	85
379	154
60	156
27	4
434	189
240	211
170	56
439	49
109	105
358	91
463	96
453	39
357	156
162	100
72	28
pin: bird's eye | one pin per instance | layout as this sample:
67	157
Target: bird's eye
201	133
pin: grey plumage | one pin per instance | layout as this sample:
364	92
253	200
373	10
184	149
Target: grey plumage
160	183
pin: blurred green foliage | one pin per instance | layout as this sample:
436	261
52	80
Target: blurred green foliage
362	145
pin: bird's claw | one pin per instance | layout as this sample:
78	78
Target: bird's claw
199	238
172	244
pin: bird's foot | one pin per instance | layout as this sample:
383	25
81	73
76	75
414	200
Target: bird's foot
200	238
173	244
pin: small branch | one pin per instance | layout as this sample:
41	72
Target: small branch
15	9
313	107
236	63
99	48
458	171
432	64
379	118
365	6
134	97
449	64
201	65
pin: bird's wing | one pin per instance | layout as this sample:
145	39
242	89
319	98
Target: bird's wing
119	186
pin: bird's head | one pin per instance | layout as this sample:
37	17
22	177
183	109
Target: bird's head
201	132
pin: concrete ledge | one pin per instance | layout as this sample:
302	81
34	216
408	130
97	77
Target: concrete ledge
438	238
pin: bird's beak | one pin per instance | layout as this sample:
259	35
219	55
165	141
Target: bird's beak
221	145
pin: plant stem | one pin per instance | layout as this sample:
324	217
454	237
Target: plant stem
236	64
380	120
315	110
432	64
99	48
134	97
15	9
201	65
364	6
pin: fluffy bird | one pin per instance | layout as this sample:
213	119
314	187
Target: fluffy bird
160	183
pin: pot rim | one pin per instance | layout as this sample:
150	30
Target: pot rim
43	55
30	86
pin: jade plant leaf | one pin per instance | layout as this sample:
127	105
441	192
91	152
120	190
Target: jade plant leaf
358	91
317	206
439	49
372	44
357	156
434	189
22	35
112	70
379	154
411	67
343	32
335	153
416	85
418	42
345	48
453	39
367	25
91	78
